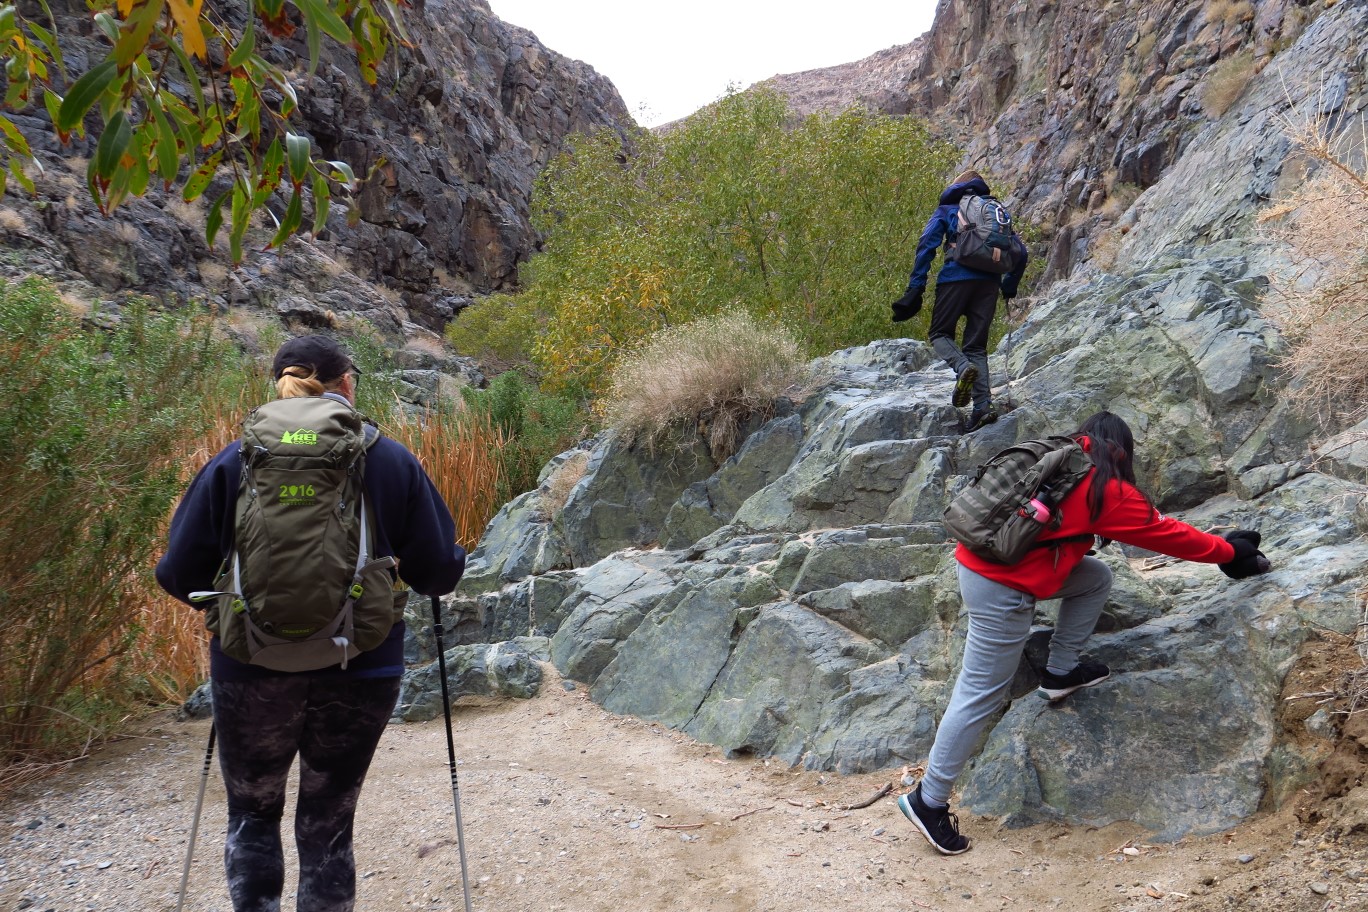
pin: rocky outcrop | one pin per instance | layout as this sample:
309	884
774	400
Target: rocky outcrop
821	623
1079	107
456	131
800	601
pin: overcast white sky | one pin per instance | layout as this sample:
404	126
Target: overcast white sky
668	58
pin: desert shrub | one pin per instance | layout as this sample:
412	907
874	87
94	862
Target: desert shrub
534	425
1225	82
812	222
93	436
1322	305
713	373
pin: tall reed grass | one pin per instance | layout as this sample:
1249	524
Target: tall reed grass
459	449
172	657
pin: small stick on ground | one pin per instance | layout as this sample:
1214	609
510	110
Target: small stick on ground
755	811
887	787
680	826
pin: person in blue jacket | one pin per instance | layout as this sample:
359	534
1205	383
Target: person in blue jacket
331	718
961	292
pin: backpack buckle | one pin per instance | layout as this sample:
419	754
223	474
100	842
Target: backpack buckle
355	591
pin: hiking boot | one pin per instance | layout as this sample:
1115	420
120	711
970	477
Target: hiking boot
938	825
1056	687
964	386
980	417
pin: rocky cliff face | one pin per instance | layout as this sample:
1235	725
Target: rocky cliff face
463	122
1077	106
799	600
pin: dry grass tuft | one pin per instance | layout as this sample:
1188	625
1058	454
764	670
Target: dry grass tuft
1125	84
1144	47
1322	307
1239	13
127	232
1225	82
429	344
556	490
213	273
713	373
11	220
191	213
1105	248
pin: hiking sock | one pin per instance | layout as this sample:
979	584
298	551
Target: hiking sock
1059	671
933	802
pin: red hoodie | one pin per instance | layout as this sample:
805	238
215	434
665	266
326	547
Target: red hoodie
1126	517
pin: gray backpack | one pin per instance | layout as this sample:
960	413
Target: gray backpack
984	239
301	590
993	515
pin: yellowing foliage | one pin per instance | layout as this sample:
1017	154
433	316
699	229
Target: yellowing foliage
811	223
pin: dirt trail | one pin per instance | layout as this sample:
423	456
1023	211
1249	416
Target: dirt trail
567	807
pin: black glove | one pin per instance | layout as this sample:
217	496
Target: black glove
908	306
1249	560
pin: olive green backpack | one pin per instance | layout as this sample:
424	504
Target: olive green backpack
992	516
301	590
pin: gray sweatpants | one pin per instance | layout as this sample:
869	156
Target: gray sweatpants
999	623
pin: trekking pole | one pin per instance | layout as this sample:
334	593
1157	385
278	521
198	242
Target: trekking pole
194	827
451	746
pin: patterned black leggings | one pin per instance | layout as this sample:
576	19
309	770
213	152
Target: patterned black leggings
334	724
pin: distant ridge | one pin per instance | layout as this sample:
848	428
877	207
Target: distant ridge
879	81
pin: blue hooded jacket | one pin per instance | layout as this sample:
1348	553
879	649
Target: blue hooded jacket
940	229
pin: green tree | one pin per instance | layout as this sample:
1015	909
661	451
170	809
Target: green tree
811	222
183	90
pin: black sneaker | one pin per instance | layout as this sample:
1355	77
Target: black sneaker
964	386
1056	687
980	417
938	825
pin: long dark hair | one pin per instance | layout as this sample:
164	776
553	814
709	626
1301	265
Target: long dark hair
1112	450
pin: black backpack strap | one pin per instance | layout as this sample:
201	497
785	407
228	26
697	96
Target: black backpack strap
1060	542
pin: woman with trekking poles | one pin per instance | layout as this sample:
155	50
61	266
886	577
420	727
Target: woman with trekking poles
281	687
1001	599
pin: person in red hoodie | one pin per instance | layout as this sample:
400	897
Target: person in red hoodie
1001	600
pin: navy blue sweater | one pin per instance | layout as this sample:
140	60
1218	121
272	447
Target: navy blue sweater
940	229
411	523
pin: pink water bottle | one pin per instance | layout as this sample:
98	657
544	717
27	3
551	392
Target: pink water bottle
1042	512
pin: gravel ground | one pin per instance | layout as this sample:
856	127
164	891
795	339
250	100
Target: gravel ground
567	807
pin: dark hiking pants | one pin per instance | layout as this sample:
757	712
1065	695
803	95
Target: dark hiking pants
974	300
334	724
